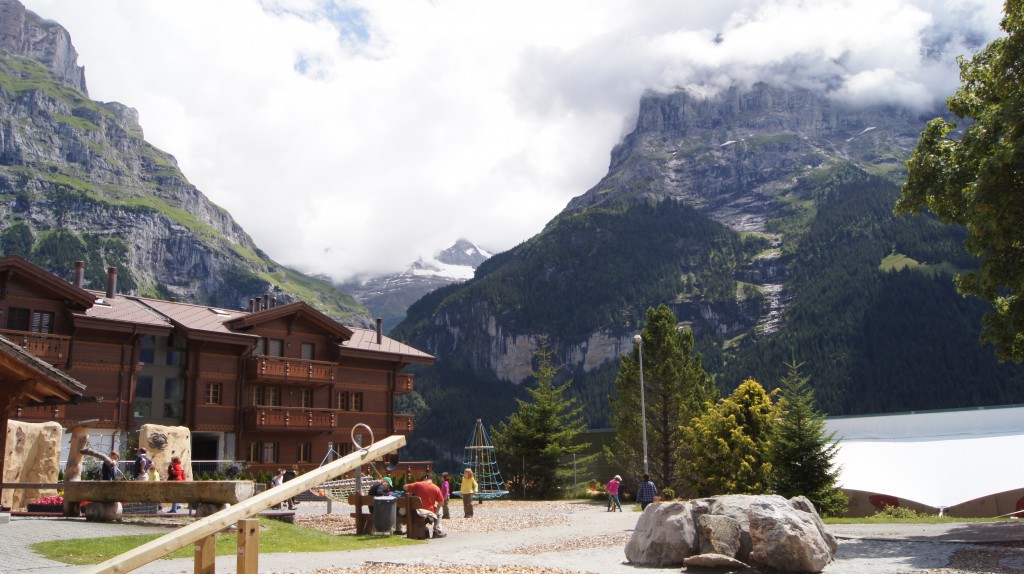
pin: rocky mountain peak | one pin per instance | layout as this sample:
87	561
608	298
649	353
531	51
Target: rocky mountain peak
463	252
23	33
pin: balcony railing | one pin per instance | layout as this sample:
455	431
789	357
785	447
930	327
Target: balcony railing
404	384
403	424
262	368
51	348
289	418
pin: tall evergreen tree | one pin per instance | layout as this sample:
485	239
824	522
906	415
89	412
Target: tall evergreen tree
725	450
802	454
542	433
676	389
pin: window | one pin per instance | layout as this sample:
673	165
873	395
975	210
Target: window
343	401
308	351
18	319
275	347
261	347
304	450
42	322
270	452
174	358
272	396
213	393
306	398
254	452
255	395
357	401
147	349
344	448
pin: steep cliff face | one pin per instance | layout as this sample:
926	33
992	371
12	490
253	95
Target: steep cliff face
79	182
735	158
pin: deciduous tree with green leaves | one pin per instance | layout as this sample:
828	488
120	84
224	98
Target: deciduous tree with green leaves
802	455
725	450
975	180
677	388
541	434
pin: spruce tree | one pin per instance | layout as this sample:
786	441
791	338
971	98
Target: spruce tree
536	439
802	454
676	389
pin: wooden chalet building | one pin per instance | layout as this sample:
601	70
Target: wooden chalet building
274	385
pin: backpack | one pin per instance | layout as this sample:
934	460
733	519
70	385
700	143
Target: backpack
170	472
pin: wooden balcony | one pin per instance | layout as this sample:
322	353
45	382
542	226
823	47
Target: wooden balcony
51	348
403	424
403	384
289	418
263	369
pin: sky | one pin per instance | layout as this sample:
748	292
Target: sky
349	138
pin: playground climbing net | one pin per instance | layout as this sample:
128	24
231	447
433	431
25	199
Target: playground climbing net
481	459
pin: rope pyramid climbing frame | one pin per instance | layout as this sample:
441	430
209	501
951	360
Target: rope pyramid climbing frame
482	460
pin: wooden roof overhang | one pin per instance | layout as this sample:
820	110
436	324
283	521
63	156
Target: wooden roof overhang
26	380
12	266
391	357
293	311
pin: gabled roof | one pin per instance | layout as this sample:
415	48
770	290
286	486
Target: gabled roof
363	343
12	265
32	380
201	321
125	312
297	308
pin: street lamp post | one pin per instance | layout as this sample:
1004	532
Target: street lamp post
643	407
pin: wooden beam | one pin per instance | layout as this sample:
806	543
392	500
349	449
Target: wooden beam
192	491
214	523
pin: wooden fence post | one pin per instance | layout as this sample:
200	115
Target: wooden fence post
206	555
249	546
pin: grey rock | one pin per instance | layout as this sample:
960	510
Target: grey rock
719	535
664	536
711	560
785	538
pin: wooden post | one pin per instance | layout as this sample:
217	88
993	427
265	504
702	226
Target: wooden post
206	555
248	546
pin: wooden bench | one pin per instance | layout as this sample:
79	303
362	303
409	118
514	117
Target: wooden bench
415	525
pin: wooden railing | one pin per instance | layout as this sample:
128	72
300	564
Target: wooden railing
403	384
289	418
262	368
51	348
403	424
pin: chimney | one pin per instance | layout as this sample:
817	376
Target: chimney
266	300
111	282
273	302
380	335
252	304
79	273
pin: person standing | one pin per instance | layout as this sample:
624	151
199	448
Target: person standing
613	493
276	481
446	493
140	470
646	492
430	496
175	472
109	470
289	475
468	489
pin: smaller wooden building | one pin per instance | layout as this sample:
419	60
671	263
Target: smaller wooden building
272	385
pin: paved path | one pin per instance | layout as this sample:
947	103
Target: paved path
864	549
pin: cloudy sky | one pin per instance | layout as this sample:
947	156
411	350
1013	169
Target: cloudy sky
351	137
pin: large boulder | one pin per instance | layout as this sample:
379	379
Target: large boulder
767	530
787	539
33	455
664	535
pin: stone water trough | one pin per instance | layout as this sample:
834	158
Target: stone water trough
733	532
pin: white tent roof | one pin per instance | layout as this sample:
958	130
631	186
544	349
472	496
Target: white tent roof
936	458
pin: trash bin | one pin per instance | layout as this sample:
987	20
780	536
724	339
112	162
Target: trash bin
384	511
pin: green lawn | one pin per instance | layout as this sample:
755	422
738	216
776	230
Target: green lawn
275	536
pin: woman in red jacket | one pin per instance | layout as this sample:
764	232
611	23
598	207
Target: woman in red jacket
175	472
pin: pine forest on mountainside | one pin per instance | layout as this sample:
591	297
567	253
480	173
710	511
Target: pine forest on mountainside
872	310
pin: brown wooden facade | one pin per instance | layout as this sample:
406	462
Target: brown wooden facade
275	386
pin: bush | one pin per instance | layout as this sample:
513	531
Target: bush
668	494
890	512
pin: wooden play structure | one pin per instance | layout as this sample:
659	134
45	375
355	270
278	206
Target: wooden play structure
203	532
415	525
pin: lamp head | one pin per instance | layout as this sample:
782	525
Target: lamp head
638	339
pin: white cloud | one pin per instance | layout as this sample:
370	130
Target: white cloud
350	137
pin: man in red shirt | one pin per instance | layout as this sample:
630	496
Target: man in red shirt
432	499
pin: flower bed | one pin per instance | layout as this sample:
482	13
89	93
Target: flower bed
47	504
